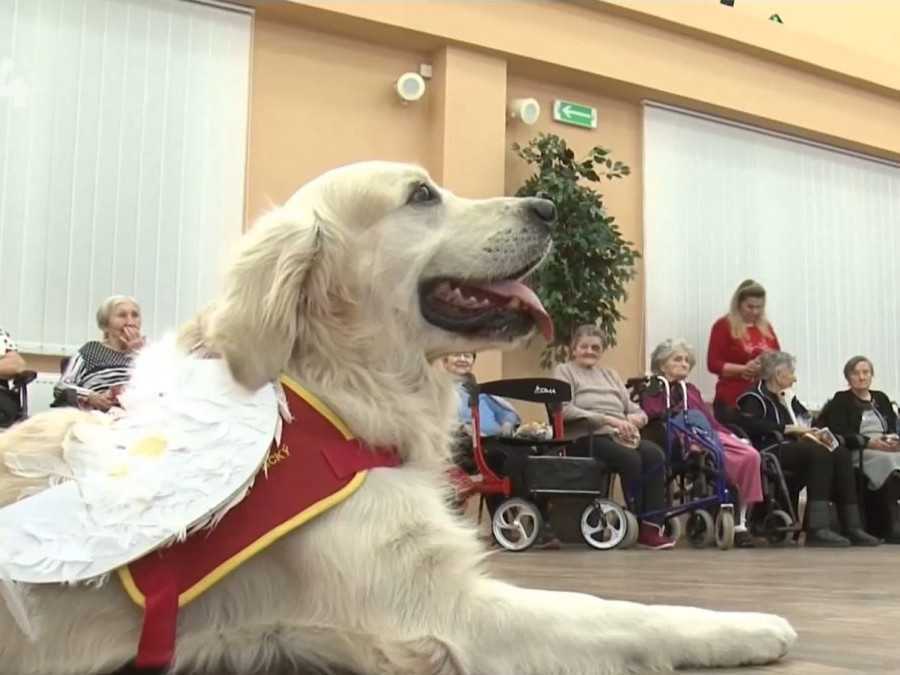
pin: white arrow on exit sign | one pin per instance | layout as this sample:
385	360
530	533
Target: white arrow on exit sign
575	114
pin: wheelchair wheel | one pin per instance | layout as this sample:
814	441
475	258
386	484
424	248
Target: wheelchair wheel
725	529
604	524
631	534
673	528
701	529
516	524
774	526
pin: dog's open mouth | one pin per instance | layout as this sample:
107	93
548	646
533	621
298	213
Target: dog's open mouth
506	308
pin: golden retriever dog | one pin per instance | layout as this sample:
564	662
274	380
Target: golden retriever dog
353	287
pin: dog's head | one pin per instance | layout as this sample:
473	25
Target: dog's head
375	255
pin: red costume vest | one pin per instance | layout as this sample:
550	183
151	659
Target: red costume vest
317	465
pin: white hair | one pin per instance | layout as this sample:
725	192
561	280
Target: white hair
108	306
664	351
770	362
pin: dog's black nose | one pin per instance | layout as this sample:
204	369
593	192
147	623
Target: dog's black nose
543	209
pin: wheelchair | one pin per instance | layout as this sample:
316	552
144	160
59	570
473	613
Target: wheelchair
695	473
775	518
525	478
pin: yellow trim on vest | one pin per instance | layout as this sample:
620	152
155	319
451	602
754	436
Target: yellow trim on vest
274	535
318	405
259	545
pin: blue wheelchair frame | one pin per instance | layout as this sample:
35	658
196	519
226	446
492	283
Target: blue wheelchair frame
681	433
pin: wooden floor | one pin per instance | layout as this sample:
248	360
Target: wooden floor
845	605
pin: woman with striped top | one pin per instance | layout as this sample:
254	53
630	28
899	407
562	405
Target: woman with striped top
96	373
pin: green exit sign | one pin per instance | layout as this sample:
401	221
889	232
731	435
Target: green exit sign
575	114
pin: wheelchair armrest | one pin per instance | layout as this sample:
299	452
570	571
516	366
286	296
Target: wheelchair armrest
24	378
778	439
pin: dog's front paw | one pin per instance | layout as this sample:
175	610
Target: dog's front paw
751	638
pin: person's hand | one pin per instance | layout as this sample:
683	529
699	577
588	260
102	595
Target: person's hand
751	369
797	430
824	435
620	426
133	338
507	428
626	431
886	443
100	401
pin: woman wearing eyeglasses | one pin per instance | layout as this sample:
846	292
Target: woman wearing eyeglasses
607	423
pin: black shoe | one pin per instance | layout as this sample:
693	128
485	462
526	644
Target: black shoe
892	538
859	537
826	539
743	540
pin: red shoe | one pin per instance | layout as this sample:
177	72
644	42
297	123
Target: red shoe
550	544
651	536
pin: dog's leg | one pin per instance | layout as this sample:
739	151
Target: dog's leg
531	632
280	648
419	573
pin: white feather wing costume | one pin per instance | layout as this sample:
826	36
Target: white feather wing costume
185	450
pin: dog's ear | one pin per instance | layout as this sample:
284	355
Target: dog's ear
254	324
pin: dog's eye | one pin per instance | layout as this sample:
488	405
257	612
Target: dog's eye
423	194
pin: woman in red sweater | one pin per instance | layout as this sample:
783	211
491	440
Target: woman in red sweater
735	344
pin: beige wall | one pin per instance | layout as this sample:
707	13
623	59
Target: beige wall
857	38
467	141
42	363
849	101
320	101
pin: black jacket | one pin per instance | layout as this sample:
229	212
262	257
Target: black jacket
843	413
762	414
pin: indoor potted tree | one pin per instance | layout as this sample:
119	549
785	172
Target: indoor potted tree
587	274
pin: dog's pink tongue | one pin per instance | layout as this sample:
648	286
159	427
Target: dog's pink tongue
516	289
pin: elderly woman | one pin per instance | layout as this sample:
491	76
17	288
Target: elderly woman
863	412
606	424
99	369
736	342
674	360
824	468
496	417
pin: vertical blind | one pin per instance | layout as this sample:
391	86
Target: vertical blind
819	228
123	128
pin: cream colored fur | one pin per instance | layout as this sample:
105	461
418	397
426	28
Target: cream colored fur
389	582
